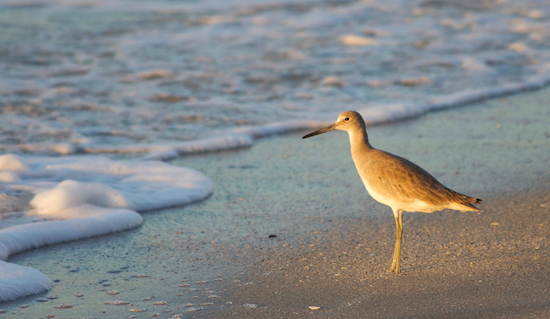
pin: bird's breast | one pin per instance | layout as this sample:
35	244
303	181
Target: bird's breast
398	203
375	194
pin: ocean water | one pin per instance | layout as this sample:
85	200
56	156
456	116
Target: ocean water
94	93
96	76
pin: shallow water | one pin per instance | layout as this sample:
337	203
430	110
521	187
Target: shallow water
106	74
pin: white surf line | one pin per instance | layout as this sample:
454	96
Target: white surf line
244	137
241	137
396	112
377	114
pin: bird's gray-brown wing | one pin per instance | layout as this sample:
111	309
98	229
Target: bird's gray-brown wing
410	182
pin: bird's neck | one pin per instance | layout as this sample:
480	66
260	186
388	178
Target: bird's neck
359	141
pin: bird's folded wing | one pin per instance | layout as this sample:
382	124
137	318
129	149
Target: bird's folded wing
408	181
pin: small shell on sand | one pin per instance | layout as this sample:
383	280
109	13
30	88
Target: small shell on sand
314	307
113	292
160	303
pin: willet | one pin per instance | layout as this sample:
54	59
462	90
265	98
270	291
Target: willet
395	181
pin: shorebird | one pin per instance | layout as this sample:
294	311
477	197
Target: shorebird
395	181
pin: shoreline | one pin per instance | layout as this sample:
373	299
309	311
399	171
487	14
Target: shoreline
308	193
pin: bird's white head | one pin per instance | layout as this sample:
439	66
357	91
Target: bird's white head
347	121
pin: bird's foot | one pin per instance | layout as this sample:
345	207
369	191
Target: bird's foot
394	268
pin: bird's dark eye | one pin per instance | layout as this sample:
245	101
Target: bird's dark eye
346	119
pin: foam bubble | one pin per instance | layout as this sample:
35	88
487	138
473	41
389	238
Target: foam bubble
10	162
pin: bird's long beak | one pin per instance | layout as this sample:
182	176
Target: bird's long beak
321	131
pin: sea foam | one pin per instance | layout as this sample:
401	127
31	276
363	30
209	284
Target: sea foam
187	76
82	197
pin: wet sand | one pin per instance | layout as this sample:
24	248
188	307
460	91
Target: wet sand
290	226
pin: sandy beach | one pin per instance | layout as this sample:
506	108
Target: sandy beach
290	226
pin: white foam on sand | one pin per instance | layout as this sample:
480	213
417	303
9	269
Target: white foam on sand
82	197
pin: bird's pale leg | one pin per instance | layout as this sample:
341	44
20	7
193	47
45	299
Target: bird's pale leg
398	235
